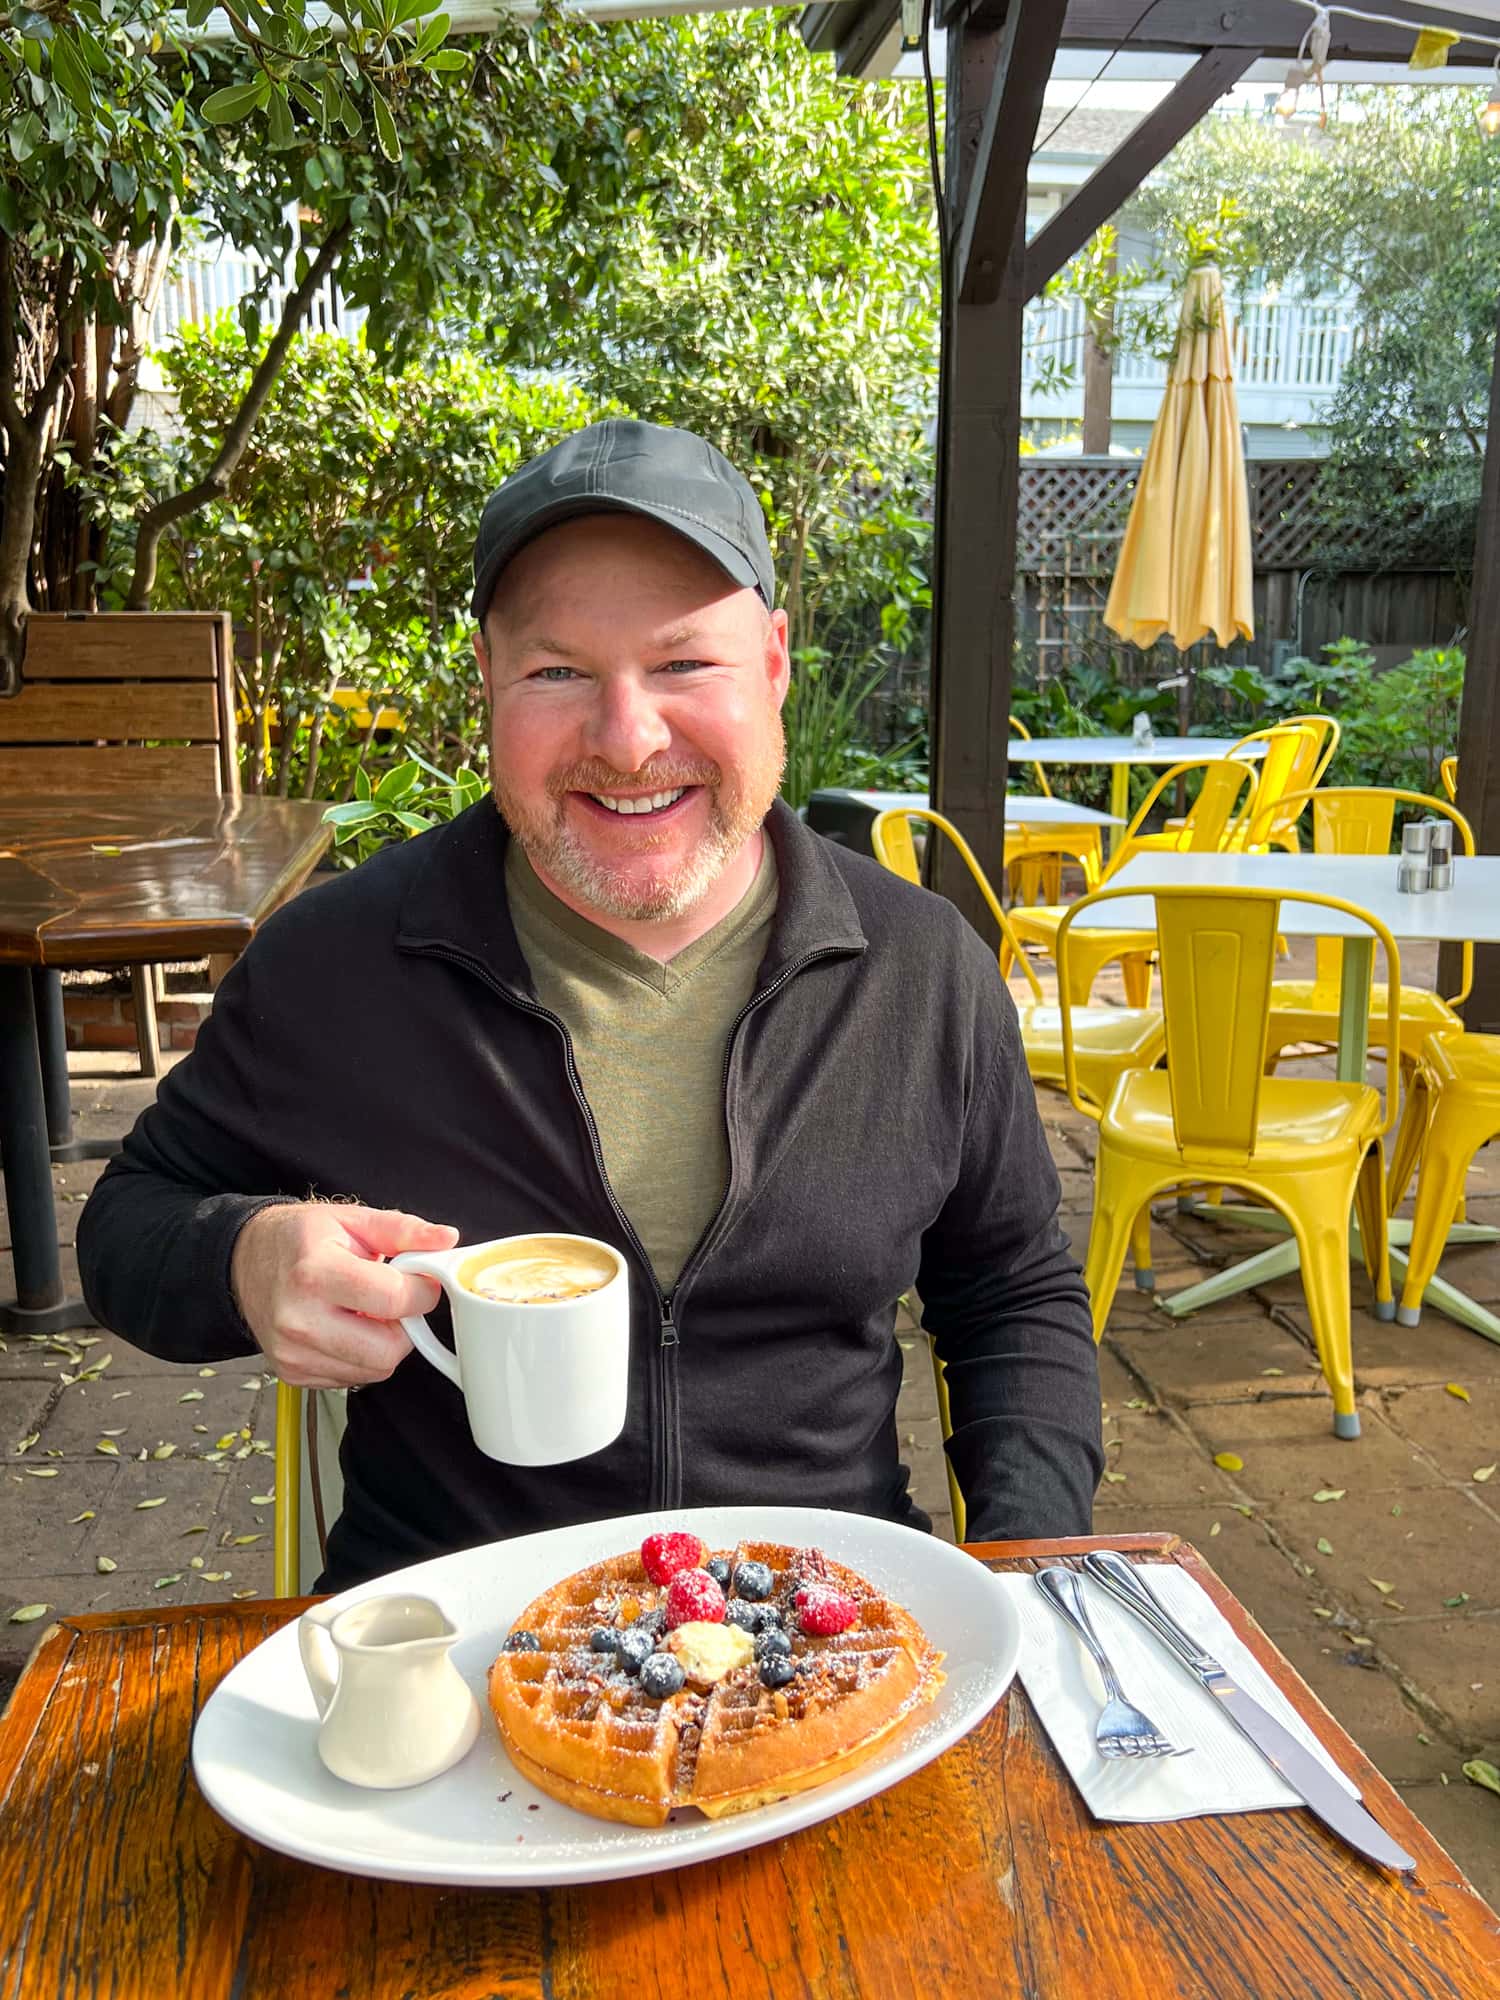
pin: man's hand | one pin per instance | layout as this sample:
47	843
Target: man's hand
309	1283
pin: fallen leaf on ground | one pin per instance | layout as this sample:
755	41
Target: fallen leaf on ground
208	1371
162	1581
1319	1612
1115	1478
164	1451
40	1471
1229	1461
1240	1508
86	1515
1484	1472
1457	1389
262	1499
28	1613
1273	1371
159	1501
105	1564
1325	1547
192	1396
1462	1598
27	1442
1479	1772
108	1447
1330	1493
1385	1589
1214	1529
244	1541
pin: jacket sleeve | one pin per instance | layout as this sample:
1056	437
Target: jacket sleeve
156	1235
1008	1309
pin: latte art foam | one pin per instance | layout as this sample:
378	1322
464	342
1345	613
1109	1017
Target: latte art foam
543	1273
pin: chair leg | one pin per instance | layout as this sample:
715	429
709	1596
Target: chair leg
1445	1161
1369	1202
1135	969
1321	1224
286	1526
1410	1135
145	1019
1140	1250
1118	1200
1051	879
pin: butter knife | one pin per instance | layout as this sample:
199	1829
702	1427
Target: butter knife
1320	1791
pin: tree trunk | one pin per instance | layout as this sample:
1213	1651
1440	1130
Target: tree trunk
215	482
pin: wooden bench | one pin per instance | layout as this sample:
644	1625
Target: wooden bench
124	702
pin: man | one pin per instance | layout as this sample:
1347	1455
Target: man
641	1002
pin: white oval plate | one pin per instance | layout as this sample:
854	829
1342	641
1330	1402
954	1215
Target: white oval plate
255	1745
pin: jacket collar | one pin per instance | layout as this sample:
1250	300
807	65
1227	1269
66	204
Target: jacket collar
456	901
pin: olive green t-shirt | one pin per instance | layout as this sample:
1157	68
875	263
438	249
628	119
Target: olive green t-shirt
649	1041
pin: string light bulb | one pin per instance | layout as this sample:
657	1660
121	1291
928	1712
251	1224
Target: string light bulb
1489	118
1286	104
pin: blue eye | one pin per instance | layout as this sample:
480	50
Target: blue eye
553	674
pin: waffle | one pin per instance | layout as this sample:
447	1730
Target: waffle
581	1728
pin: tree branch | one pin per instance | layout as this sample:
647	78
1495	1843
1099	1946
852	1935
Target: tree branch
215	482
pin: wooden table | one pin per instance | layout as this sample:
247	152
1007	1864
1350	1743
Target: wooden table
981	1875
108	882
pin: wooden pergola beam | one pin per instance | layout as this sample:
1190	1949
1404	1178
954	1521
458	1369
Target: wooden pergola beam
1107	190
984	223
1275	27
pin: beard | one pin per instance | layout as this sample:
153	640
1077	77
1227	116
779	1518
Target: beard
635	892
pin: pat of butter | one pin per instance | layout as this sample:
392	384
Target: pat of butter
708	1652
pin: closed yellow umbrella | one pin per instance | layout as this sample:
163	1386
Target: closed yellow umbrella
1184	568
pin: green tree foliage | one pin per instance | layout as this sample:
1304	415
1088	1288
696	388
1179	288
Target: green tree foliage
343	540
1398	201
364	147
773	284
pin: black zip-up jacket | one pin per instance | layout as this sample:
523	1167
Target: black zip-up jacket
381	1040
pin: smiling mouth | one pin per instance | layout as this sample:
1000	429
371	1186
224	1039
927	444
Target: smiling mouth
646	805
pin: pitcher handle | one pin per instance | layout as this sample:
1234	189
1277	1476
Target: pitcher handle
417	1331
315	1643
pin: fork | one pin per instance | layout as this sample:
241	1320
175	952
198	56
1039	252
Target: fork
1122	1729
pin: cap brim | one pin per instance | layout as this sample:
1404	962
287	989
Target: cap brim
736	565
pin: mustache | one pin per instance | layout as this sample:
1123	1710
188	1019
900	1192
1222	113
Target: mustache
662	777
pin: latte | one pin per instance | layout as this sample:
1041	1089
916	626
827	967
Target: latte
538	1270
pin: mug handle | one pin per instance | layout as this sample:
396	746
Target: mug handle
417	1331
315	1643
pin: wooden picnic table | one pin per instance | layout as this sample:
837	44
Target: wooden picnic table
111	881
982	1874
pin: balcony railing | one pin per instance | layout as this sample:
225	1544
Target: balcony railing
209	282
1290	352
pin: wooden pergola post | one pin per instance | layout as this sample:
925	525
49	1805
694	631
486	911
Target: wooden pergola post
1479	721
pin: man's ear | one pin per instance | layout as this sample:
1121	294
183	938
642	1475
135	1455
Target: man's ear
778	660
482	657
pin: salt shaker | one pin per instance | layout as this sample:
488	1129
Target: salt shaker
1413	870
1141	731
1440	855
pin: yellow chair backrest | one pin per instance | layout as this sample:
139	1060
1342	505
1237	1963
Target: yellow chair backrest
1207	822
1037	772
890	837
1448	772
1217	950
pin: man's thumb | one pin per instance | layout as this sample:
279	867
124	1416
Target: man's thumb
386	1231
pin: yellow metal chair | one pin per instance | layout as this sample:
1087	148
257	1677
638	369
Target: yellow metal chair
1208	826
1448	772
1452	1109
1034	855
1359	819
1106	1040
1298	752
308	1486
1309	1149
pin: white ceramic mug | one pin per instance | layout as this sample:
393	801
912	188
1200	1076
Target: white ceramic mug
544	1380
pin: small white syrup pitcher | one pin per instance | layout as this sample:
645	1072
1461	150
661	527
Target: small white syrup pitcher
393	1708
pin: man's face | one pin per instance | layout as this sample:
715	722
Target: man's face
635	704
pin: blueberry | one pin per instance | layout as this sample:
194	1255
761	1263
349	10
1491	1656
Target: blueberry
746	1616
633	1650
603	1639
652	1623
523	1642
773	1645
661	1675
770	1617
718	1569
775	1672
754	1580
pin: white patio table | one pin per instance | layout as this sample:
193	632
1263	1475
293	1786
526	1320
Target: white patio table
1468	912
1021	808
1120	752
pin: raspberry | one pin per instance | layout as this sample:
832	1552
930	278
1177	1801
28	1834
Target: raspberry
691	1594
664	1555
822	1610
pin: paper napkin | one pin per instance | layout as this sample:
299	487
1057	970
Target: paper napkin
1225	1774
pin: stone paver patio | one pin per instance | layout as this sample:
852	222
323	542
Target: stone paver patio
1386	1599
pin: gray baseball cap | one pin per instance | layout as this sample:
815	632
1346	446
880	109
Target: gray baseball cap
622	466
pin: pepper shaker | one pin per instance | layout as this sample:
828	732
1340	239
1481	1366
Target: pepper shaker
1440	855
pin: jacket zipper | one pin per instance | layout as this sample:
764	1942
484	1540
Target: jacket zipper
666	1466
